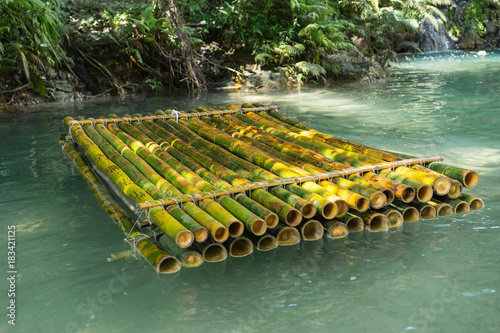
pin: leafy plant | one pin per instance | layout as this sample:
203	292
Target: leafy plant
29	39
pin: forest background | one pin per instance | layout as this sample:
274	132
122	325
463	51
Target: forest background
58	50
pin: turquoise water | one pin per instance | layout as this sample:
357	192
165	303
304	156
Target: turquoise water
440	275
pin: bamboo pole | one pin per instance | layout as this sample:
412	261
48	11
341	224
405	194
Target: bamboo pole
440	184
353	199
311	230
377	198
187	257
233	225
442	209
162	261
354	223
409	213
475	203
456	187
401	191
265	242
459	206
267	215
182	236
394	216
389	194
374	221
425	210
334	141
423	192
336	230
468	178
211	251
286	235
239	247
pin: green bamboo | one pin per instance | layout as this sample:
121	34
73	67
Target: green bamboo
200	233
374	221
389	194
377	198
442	209
161	260
212	251
393	215
261	211
336	229
187	257
311	230
425	210
123	163
456	187
285	212
409	213
217	230
286	235
353	199
334	141
440	184
459	206
140	164
265	242
401	191
354	223
423	192
254	224
239	247
182	236
468	178
234	226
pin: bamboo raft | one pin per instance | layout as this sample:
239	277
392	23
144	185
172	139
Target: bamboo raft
207	183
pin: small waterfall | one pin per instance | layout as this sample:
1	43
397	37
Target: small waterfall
431	40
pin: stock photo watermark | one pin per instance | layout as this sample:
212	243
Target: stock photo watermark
11	274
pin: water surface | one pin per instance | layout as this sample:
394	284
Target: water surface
440	275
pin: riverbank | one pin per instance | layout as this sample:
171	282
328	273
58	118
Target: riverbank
113	48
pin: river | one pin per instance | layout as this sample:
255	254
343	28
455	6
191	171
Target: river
440	275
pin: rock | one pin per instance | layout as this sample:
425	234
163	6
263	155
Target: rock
470	40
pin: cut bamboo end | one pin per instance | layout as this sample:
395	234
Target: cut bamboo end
214	253
338	230
442	185
378	200
272	220
267	243
258	227
471	178
168	265
240	247
200	235
427	212
424	193
355	224
461	208
410	214
362	204
389	194
476	204
456	189
329	210
342	207
293	217
377	223
308	210
407	194
191	259
312	230
220	234
395	218
443	210
235	229
184	238
288	236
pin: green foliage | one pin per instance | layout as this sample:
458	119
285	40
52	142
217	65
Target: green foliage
29	39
